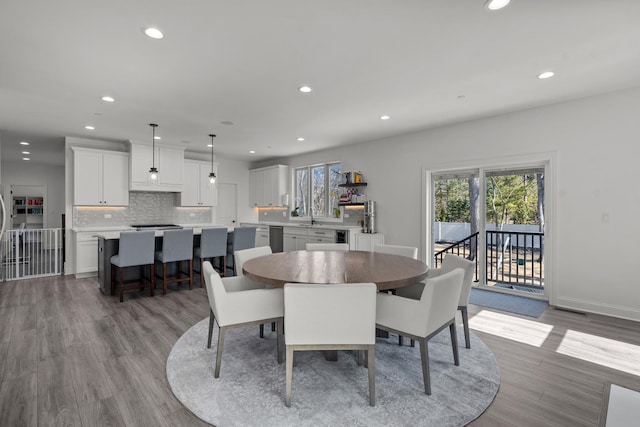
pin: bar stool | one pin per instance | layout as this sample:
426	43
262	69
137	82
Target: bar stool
177	246
213	244
240	238
136	249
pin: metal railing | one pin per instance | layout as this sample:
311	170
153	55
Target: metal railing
512	258
28	253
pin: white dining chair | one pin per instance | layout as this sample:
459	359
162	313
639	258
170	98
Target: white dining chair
327	247
423	319
449	263
245	255
232	307
350	325
408	251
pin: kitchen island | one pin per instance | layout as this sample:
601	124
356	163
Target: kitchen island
108	245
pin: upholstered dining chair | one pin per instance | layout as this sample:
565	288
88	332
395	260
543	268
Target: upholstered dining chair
245	255
240	238
177	246
351	325
213	244
327	247
233	306
408	251
423	319
136	248
449	263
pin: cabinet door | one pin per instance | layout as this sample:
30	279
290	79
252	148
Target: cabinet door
170	166
253	188
87	178
289	243
115	179
140	162
86	253
376	239
191	187
269	186
363	242
301	243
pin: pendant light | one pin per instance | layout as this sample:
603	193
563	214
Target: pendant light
153	172
212	175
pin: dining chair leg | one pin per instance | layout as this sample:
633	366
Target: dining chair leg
454	342
289	377
424	357
280	339
212	319
371	366
261	330
224	266
359	357
400	340
201	273
223	329
413	343
465	324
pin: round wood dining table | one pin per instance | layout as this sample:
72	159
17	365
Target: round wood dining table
385	270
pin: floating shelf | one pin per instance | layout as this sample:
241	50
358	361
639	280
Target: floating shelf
354	184
350	204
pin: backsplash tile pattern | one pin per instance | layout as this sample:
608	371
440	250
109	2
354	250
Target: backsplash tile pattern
276	215
144	208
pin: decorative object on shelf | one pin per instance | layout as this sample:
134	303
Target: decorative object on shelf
212	175
336	212
153	172
295	212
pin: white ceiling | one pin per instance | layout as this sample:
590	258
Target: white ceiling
425	63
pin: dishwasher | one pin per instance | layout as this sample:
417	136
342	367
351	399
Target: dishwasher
275	238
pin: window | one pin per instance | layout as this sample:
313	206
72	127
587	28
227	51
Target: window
316	190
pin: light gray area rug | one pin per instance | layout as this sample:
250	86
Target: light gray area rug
251	387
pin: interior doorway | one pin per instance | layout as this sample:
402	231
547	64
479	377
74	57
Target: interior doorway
494	216
227	209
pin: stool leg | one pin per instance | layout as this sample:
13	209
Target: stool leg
121	274
191	273
113	279
224	265
152	280
201	273
164	278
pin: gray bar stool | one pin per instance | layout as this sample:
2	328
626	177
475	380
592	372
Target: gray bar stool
240	238
177	246
135	249
213	244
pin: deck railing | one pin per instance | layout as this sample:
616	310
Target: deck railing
512	258
30	253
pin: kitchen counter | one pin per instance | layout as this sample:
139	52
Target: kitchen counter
329	226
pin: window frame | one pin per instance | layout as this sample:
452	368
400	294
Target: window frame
329	216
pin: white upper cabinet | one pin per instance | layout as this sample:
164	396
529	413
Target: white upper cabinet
100	177
168	160
197	190
267	185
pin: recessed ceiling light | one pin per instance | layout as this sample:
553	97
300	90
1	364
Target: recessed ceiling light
154	33
210	145
496	4
26	158
385	117
300	139
24	143
26	152
227	123
89	127
107	99
304	89
546	75
252	152
157	137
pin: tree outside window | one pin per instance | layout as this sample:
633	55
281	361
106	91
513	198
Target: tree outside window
316	190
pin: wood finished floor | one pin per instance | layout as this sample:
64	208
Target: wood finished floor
71	356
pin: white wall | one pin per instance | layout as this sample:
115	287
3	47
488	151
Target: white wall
593	140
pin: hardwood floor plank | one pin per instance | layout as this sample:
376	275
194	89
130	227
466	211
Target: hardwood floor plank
18	401
57	406
22	355
54	373
88	374
101	413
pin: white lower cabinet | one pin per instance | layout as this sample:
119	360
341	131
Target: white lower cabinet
366	242
322	236
294	239
262	237
86	254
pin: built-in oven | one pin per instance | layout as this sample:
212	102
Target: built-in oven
342	236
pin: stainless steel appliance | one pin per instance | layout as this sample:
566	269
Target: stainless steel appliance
369	217
342	236
141	227
276	238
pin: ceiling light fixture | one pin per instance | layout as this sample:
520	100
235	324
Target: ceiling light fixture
153	33
385	117
252	152
26	158
153	171
26	152
546	75
496	4
89	127
108	99
305	89
157	138
300	139
212	175
24	143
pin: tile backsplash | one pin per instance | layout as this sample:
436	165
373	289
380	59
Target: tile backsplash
144	208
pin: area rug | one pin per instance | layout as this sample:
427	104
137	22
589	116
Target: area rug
505	302
251	387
